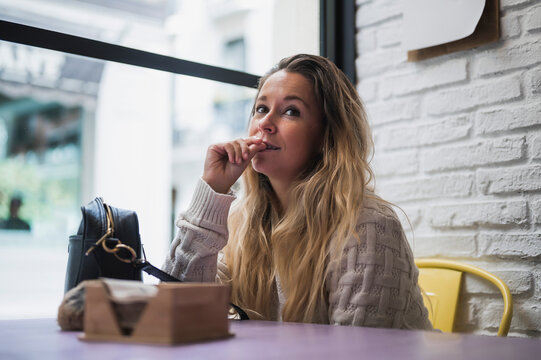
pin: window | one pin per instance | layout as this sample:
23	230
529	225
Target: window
75	127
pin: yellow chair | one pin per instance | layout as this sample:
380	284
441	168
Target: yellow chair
440	281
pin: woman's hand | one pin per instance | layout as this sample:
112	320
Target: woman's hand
226	162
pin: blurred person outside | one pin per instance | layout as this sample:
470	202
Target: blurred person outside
14	222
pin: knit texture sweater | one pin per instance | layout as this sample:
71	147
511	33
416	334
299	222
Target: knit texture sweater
374	285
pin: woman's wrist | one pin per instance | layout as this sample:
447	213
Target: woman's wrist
216	186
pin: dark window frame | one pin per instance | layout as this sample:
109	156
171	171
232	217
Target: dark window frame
337	34
52	40
337	42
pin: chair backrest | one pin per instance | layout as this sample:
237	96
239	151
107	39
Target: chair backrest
440	281
441	288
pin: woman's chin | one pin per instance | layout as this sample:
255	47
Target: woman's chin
261	167
260	170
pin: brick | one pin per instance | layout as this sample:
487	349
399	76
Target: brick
430	188
486	152
455	128
446	73
535	207
533	78
377	12
368	91
490	316
527	316
532	22
376	63
499	120
510	27
372	64
389	35
480	213
520	246
515	57
509	180
467	314
400	163
391	111
535	148
518	281
457	246
366	41
506	4
468	97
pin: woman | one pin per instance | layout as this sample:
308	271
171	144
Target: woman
307	241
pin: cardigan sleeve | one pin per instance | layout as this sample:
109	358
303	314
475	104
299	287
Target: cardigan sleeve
375	282
194	254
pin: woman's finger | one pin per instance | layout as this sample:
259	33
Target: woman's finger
245	150
253	140
254	149
230	150
238	151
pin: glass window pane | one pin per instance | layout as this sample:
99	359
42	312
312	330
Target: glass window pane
72	128
246	35
137	137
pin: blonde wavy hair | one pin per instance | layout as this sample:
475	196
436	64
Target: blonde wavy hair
295	244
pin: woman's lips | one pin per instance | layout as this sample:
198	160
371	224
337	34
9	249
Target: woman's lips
270	146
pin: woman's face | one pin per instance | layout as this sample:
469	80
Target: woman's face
289	120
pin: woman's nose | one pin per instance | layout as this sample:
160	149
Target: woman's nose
266	124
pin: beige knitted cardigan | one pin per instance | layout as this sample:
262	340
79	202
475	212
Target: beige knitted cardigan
375	284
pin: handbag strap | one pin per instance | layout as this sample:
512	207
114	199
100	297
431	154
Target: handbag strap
150	269
163	276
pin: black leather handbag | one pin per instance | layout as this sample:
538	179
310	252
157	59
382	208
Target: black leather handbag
108	244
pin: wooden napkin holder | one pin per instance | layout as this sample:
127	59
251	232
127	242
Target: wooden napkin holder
179	313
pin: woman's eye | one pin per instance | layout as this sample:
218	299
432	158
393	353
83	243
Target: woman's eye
261	109
292	112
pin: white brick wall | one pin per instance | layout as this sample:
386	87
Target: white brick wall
458	148
507	118
482	152
474	214
509	245
517	56
469	97
429	133
429	77
509	180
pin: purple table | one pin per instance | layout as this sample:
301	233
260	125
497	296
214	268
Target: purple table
42	339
